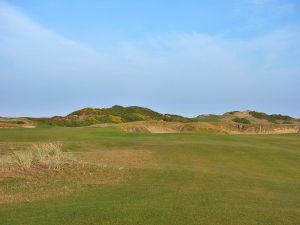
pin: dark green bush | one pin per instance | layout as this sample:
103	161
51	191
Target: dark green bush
241	120
273	118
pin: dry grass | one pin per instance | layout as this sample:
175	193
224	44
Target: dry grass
44	171
121	159
22	159
4	159
48	155
30	172
36	171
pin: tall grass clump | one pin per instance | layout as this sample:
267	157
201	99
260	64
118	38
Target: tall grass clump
48	155
22	159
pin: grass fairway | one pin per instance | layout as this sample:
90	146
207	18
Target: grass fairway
151	179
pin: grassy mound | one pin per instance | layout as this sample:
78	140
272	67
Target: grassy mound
115	114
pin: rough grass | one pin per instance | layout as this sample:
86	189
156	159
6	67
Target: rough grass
48	155
23	159
44	171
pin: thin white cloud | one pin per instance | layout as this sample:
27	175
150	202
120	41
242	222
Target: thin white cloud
179	70
38	50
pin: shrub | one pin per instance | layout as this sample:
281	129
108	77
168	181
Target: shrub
232	112
20	122
271	118
241	120
116	119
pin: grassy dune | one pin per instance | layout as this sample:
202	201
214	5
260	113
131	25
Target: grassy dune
138	178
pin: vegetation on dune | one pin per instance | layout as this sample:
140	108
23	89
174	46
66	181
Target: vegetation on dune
115	114
119	114
273	118
177	118
131	113
13	121
86	111
241	120
231	112
209	118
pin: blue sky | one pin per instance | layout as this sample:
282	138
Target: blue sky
184	57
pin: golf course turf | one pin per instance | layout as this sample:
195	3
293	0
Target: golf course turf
152	179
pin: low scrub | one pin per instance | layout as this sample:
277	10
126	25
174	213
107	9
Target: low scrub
273	118
241	120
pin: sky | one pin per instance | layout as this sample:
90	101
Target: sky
184	57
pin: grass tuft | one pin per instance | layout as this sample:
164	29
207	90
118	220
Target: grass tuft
48	155
22	159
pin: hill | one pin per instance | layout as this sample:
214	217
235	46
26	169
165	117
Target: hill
16	122
141	119
249	117
115	114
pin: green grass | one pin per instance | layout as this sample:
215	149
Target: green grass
194	179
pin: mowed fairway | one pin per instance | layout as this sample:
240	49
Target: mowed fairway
157	179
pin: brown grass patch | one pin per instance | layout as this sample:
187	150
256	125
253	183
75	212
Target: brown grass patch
122	159
35	183
47	155
19	183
